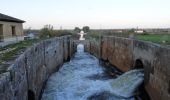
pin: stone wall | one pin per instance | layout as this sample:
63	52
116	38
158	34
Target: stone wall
27	76
124	54
118	52
94	48
156	61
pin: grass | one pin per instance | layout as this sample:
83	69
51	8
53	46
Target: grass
161	38
9	55
19	44
47	33
16	48
95	34
9	52
92	36
156	38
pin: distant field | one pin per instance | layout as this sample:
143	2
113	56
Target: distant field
156	38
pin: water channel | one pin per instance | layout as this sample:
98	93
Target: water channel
83	78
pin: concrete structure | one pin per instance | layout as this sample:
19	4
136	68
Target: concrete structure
10	27
24	80
27	76
126	54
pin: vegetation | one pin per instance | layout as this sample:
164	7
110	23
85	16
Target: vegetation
48	32
77	30
131	31
95	34
92	35
10	51
156	38
86	29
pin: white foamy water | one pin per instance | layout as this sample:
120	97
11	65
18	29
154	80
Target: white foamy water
126	84
72	81
82	35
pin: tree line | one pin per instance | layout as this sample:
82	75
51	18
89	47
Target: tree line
48	31
86	29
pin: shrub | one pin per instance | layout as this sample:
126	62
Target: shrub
46	32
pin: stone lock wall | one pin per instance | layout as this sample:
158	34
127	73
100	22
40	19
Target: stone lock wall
118	52
94	48
156	61
124	53
26	77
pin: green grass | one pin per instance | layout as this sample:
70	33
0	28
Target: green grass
13	50
17	47
47	33
156	38
9	55
92	36
21	43
162	38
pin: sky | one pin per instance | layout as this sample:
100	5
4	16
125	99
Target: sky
99	14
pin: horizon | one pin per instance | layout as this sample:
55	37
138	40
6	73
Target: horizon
97	14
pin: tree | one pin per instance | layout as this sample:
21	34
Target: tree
131	31
47	31
86	29
77	29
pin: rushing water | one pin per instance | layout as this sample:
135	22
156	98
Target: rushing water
83	79
82	35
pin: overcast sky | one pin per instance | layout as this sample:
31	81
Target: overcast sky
93	13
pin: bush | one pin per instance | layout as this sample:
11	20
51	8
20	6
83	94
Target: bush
77	30
145	33
46	32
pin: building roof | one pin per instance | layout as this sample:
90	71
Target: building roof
7	18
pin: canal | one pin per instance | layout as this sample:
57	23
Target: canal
83	78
